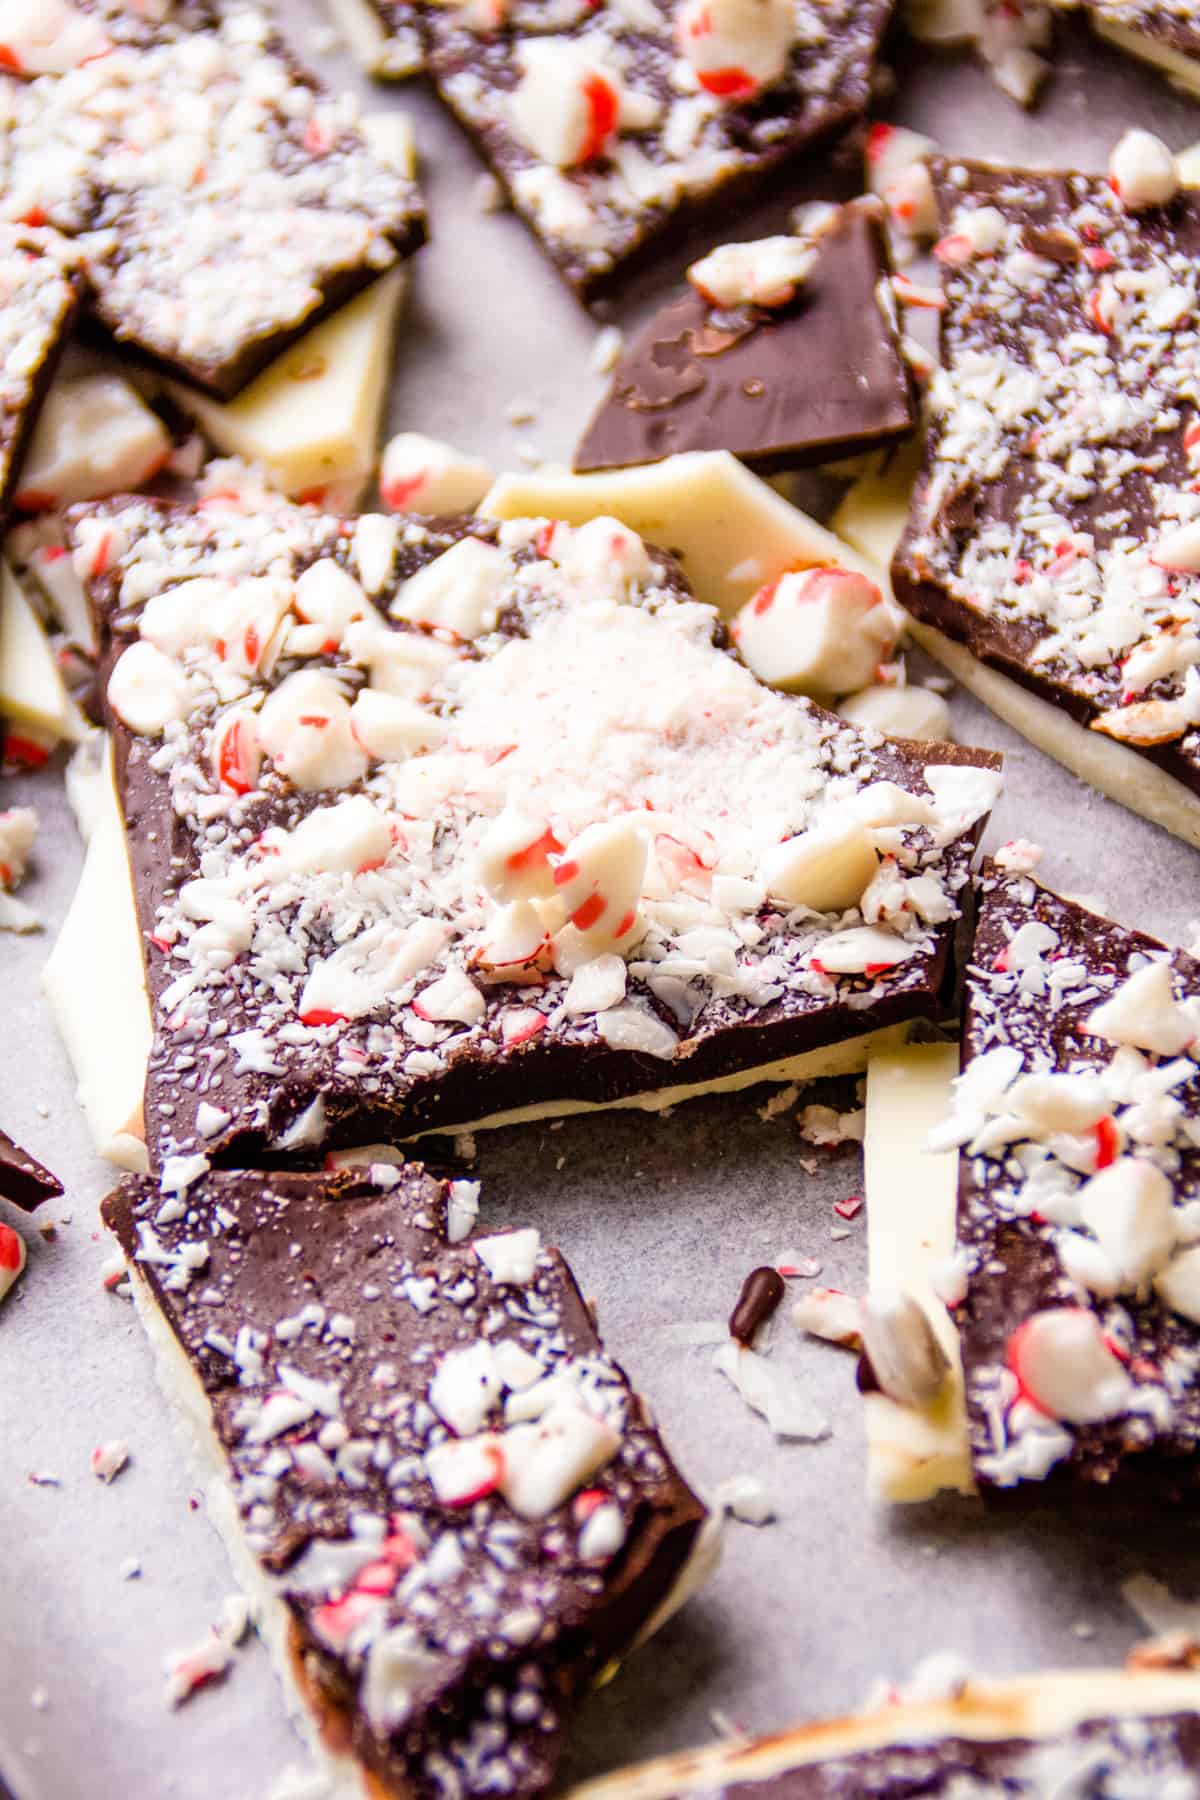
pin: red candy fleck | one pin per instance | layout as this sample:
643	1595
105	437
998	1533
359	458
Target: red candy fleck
1108	1142
849	1207
397	493
878	139
587	915
728	84
603	108
10	1249
320	1015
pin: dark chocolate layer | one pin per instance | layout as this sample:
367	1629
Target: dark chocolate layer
23	1180
781	387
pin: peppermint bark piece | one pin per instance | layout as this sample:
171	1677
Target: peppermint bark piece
794	359
442	1495
23	1180
1079	1203
221	200
1096	1732
612	125
39	296
463	823
1051	525
1167	36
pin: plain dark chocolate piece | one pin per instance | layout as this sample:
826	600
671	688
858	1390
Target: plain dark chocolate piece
206	272
23	1180
825	91
969	507
340	1298
781	387
252	1113
761	1293
1136	1459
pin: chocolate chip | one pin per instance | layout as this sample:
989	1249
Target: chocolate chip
761	1293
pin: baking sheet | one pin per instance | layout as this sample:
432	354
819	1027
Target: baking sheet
661	1219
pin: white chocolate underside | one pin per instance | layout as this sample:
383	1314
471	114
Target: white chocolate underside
1182	71
911	1223
31	687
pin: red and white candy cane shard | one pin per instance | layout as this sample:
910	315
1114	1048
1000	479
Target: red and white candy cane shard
1066	1369
766	272
304	726
514	945
236	753
565	108
148	690
463	1470
513	861
820	632
48	38
599	881
12	1257
422	474
736	47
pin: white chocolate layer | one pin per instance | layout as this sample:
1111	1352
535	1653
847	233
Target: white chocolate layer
369	41
872	514
1112	768
731	531
1029	1706
31	688
911	1222
1182	71
313	417
850	1057
95	985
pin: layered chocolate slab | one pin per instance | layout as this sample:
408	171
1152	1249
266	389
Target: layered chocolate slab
609	124
783	386
434	824
221	200
1167	35
1093	1732
23	1180
1079	1203
1053	524
445	1500
39	294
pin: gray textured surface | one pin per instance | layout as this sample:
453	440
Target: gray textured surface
661	1220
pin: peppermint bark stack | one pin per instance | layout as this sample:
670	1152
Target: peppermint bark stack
609	125
220	200
437	825
1079	1202
446	1502
1055	531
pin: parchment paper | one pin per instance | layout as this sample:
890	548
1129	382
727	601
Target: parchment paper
661	1219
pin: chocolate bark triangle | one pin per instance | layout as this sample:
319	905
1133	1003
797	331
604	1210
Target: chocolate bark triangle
446	1502
449	823
783	387
23	1180
1052	532
1079	1204
222	201
40	279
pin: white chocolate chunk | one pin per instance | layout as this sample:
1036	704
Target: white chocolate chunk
827	868
548	1460
31	686
819	632
95	435
390	137
732	532
908	712
736	47
460	589
422	474
1142	171
766	272
389	726
312	417
912	1198
897	171
327	595
99	1003
465	1387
